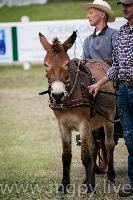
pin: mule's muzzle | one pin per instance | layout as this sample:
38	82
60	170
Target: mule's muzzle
58	97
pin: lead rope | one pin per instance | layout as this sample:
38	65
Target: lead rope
81	45
75	48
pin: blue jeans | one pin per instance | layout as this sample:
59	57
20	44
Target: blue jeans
125	107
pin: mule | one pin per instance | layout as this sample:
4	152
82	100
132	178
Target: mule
78	115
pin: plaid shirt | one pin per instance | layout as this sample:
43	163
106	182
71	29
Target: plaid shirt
122	68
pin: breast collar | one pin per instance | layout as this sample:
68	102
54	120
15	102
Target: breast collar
102	32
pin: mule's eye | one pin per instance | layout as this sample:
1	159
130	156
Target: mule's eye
45	65
67	65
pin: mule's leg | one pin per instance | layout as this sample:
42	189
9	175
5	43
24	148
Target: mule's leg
88	155
66	158
109	143
103	153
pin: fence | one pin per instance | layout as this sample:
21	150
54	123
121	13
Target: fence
19	42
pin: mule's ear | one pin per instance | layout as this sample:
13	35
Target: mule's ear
44	42
70	41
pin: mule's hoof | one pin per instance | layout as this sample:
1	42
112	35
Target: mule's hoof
61	194
92	194
84	182
61	190
88	188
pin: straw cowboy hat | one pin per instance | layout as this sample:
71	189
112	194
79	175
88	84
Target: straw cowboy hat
104	6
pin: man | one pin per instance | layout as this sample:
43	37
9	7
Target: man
122	71
99	46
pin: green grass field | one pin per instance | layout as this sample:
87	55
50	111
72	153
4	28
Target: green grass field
55	10
30	145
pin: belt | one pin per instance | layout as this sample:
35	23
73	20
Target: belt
127	83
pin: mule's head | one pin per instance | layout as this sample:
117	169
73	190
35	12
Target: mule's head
56	61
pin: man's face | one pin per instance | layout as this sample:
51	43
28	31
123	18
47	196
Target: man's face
95	15
128	11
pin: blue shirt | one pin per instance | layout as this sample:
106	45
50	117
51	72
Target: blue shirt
100	46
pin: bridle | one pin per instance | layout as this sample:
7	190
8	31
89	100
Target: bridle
65	81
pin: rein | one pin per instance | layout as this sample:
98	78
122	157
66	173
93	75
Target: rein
75	81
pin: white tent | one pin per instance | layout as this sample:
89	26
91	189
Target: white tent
20	2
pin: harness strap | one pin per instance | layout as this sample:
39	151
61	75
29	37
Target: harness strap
44	92
93	106
109	93
75	81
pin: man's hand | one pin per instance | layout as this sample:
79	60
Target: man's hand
93	89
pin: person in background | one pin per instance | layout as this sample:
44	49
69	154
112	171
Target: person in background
122	71
99	46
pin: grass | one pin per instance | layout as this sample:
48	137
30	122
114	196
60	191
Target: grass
18	77
30	146
54	10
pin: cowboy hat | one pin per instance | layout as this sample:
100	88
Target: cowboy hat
125	2
104	6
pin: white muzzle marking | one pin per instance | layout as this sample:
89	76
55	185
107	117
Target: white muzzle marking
58	87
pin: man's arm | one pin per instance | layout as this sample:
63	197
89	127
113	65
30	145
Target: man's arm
93	89
112	73
114	38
